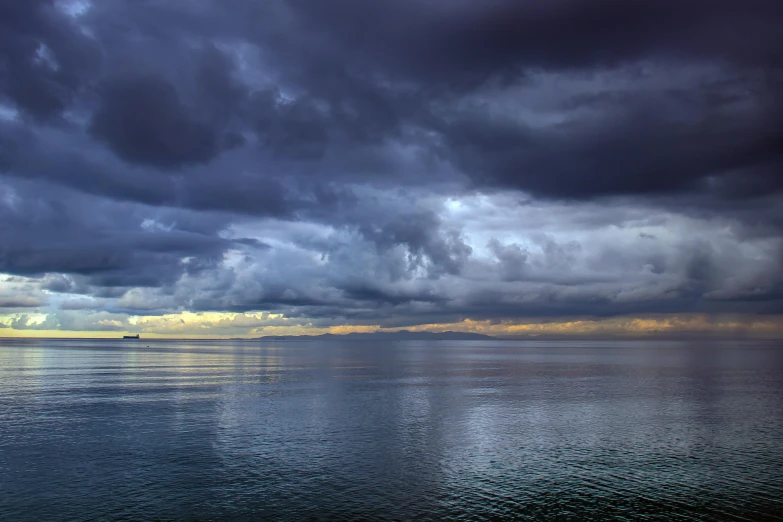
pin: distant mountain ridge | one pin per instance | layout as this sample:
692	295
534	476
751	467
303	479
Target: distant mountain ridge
401	335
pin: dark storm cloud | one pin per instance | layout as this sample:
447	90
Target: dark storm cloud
143	121
631	146
367	293
428	246
44	58
101	244
363	75
135	136
469	43
69	161
722	138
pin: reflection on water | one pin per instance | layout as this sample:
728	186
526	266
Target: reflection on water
221	430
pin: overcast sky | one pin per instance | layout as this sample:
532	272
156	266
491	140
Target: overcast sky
251	167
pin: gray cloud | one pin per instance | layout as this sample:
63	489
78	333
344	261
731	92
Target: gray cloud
328	160
143	121
99	243
20	302
44	58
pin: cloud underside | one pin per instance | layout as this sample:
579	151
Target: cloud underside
389	164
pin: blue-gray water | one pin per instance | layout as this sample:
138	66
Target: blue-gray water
102	430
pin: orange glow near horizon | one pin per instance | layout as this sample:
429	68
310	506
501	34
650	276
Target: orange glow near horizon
215	325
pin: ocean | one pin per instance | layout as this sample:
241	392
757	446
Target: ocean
349	430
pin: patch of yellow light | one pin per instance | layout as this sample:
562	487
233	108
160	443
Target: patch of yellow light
770	326
206	325
346	329
60	334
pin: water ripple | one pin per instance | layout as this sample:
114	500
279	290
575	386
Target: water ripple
97	430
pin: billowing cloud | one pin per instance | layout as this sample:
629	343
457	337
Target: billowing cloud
161	135
388	164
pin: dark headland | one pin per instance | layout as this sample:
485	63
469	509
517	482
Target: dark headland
402	335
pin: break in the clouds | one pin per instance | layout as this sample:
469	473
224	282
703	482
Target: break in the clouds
301	164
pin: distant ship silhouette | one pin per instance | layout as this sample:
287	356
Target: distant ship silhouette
130	336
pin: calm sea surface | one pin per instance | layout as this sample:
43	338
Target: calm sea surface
103	430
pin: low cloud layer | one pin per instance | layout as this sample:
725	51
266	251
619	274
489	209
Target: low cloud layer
388	164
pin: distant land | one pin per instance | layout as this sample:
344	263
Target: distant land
402	335
406	335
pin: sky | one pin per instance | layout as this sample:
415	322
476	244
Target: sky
233	168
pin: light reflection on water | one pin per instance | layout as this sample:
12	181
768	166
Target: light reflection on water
239	430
